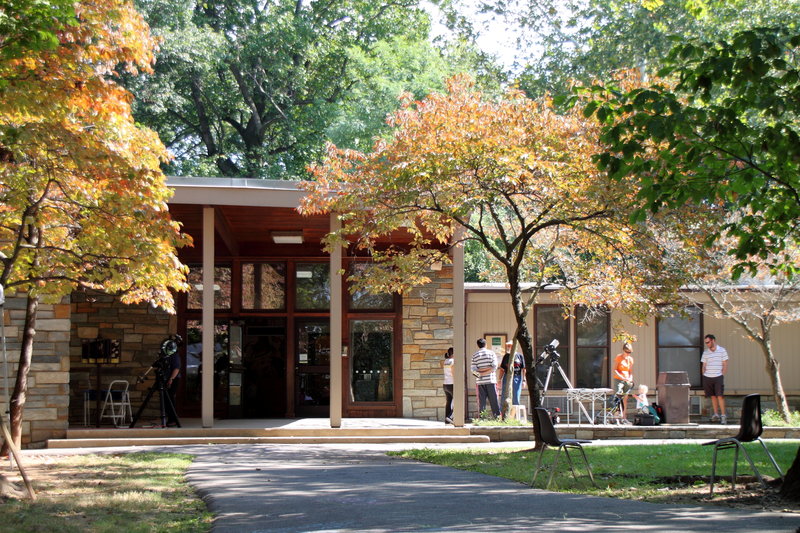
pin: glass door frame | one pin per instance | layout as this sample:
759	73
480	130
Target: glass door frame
299	409
393	408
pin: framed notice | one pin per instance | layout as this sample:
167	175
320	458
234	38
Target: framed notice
496	342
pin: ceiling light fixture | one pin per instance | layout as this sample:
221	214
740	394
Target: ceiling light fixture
287	237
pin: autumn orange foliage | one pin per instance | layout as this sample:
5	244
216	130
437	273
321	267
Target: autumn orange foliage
511	173
83	199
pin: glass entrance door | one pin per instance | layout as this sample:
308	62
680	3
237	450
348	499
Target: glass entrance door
313	367
264	368
372	361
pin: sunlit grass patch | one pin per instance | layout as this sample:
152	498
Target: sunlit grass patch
138	492
642	472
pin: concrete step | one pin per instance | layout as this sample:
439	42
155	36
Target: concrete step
132	433
167	438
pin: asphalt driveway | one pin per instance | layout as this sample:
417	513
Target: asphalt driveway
292	488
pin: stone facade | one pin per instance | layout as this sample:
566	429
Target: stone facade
45	414
427	334
140	328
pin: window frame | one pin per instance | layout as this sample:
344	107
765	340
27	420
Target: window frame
700	347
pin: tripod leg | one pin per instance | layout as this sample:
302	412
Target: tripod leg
547	380
142	407
166	402
580	404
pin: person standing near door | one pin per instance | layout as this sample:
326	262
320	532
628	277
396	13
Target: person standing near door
715	364
484	366
447	368
623	376
170	349
518	366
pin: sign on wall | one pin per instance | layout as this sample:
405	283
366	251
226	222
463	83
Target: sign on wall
496	342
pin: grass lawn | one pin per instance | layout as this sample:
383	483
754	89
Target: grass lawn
137	492
656	473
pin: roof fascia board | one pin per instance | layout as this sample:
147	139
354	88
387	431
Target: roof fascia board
235	191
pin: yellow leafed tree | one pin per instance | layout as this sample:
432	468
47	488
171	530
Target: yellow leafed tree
511	173
83	202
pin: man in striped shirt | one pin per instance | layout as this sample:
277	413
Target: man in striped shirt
484	365
715	364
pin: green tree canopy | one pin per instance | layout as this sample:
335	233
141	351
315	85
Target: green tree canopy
252	89
32	24
726	130
565	40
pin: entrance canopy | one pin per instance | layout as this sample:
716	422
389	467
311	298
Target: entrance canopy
248	220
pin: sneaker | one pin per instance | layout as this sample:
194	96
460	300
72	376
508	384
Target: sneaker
723	420
715	417
448	420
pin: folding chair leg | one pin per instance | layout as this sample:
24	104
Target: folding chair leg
569	460
771	458
588	467
538	465
735	464
553	468
713	469
753	466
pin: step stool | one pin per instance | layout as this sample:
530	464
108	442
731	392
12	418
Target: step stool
520	412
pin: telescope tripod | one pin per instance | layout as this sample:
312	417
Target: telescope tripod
554	364
164	401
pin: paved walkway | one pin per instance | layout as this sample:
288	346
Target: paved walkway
349	488
280	488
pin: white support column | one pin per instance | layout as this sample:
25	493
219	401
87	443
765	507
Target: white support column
336	329
459	344
207	384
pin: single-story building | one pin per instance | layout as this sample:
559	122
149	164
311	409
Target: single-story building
283	337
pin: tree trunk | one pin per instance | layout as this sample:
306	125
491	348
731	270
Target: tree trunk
774	371
17	400
790	489
526	347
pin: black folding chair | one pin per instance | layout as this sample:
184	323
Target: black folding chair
750	430
550	438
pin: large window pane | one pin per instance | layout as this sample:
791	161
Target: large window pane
194	360
264	286
680	330
591	370
680	344
372	360
686	359
314	344
222	287
591	327
591	355
312	286
364	301
551	325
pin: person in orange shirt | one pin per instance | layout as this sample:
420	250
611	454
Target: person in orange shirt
623	375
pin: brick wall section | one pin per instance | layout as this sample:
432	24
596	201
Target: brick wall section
427	334
141	328
47	402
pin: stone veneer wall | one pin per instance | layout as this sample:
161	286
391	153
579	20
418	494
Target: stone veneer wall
141	328
47	402
427	334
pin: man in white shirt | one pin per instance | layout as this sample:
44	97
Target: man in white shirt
484	365
715	364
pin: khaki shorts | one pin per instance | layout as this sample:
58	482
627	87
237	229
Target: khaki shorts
622	387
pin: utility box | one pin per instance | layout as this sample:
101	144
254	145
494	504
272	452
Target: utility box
673	396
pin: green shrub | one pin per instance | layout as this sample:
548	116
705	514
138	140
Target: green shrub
772	418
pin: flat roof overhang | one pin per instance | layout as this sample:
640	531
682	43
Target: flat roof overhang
246	213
